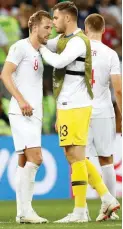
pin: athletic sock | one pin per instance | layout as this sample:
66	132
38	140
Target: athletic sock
19	184
107	197
109	177
30	171
79	179
95	180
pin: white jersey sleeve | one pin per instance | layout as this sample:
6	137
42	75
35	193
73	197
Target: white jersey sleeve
16	54
52	43
115	64
75	47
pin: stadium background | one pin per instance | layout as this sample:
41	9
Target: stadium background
53	178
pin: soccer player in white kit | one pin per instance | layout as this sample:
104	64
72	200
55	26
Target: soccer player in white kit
22	75
102	132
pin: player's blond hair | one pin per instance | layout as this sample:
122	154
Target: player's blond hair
36	18
95	22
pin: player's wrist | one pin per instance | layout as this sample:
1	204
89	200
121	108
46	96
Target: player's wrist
20	99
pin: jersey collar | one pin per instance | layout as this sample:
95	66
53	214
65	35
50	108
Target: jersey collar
75	32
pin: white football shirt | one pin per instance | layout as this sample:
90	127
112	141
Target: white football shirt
105	62
27	77
74	91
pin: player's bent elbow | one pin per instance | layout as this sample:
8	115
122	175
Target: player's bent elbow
2	77
118	91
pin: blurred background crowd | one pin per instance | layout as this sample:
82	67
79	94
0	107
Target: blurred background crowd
14	15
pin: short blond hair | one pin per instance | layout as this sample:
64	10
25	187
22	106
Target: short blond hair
36	18
95	22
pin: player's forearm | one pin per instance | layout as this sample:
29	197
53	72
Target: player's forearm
118	95
60	60
9	84
116	81
52	59
67	56
51	45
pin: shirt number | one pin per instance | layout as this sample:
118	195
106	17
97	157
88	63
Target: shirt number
36	65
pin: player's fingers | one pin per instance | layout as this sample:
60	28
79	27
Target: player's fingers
27	111
30	113
23	112
56	127
30	108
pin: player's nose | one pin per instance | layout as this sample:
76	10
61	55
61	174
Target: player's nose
49	32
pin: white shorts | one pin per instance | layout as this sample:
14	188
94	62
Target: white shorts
101	137
26	131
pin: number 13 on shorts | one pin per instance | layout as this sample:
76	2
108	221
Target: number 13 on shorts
63	131
73	125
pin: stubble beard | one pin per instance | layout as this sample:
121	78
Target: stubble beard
41	41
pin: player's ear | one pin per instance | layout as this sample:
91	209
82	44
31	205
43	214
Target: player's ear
35	28
86	30
103	30
67	17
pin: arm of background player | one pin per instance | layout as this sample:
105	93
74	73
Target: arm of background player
3	41
116	79
5	49
117	86
52	43
74	48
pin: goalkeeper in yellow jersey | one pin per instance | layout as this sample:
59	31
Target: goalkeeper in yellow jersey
70	55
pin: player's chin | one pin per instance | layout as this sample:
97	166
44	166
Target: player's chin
45	42
58	30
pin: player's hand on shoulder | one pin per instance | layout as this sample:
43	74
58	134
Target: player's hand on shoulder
26	108
42	46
